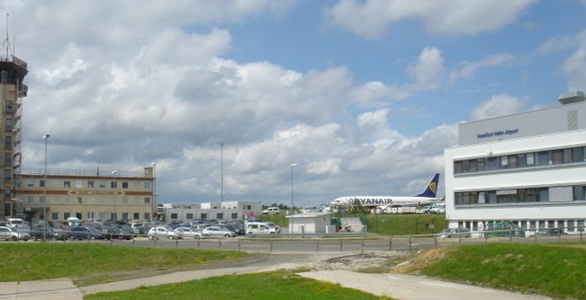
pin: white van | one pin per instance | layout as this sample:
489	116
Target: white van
260	228
14	222
271	211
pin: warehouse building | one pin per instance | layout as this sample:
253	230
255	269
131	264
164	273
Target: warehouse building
527	168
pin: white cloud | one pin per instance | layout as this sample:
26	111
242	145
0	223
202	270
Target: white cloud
372	17
469	69
498	105
573	66
428	70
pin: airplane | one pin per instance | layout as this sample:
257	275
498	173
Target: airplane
426	197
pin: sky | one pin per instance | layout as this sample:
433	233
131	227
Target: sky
364	96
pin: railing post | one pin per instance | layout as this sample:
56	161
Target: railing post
390	243
435	241
198	241
271	246
340	245
176	243
362	251
409	243
317	246
238	244
220	243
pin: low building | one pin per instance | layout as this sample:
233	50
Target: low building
228	210
86	194
527	168
309	223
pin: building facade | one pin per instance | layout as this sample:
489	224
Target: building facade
528	168
12	91
86	194
228	210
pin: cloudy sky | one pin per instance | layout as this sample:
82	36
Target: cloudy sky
363	95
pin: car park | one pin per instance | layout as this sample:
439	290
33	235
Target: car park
217	231
188	233
84	233
160	232
455	233
13	234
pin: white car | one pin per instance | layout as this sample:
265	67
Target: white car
162	232
218	231
187	233
9	233
259	228
271	211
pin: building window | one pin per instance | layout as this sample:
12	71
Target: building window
220	216
543	158
173	216
567	156
102	184
66	184
125	184
7	175
457	167
147	200
136	216
90	184
30	200
8	141
42	199
513	161
557	157
204	216
79	200
147	185
234	216
54	216
30	182
504	162
42	183
492	163
189	216
579	192
125	216
578	154
136	185
113	184
66	215
530	159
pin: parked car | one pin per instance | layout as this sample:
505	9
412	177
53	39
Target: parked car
199	227
187	233
162	232
454	233
114	233
503	229
51	234
550	232
218	232
236	227
272	224
137	228
271	211
84	233
259	228
13	234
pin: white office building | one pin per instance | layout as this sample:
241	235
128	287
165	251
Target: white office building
527	168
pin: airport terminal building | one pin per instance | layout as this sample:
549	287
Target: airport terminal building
527	168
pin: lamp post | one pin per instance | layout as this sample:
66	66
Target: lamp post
115	186
46	138
221	173
292	204
154	204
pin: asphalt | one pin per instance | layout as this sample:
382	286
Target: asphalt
405	287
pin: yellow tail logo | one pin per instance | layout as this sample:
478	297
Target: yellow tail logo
433	187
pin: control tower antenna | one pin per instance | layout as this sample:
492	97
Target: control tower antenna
6	50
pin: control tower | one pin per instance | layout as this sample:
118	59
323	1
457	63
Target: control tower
12	91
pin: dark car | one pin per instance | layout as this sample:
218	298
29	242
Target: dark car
85	232
117	234
236	227
49	234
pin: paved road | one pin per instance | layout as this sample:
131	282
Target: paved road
407	287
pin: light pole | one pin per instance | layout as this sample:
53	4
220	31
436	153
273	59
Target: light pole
292	213
115	186
221	173
46	138
154	204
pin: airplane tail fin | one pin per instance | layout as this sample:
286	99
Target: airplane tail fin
431	188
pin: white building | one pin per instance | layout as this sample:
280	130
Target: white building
528	168
211	211
309	223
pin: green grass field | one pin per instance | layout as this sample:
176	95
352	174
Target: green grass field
550	270
282	285
33	261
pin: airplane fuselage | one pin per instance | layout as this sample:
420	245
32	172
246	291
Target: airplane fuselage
375	201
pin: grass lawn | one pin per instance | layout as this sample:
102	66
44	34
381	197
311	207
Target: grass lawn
93	263
551	270
282	285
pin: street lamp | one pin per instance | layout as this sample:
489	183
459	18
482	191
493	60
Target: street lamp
115	186
292	166
154	204
46	138
221	173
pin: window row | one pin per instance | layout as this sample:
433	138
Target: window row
90	184
136	200
523	195
522	160
99	215
568	226
203	216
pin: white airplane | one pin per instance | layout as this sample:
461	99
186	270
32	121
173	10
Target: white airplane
427	197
